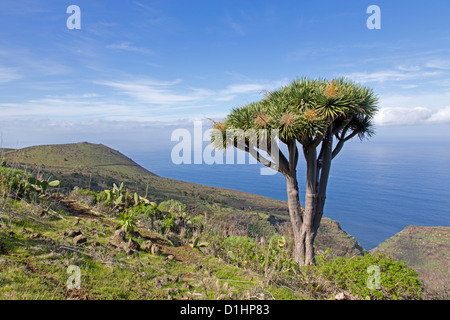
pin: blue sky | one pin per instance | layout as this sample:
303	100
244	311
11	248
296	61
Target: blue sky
138	69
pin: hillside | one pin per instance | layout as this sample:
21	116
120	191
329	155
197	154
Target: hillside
76	156
87	246
426	250
97	167
4	150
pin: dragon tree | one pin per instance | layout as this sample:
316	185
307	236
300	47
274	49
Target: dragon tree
314	117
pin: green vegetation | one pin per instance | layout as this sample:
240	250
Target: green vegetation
397	281
170	249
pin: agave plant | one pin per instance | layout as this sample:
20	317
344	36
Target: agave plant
127	220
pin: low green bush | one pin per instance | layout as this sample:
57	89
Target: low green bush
14	182
274	254
376	276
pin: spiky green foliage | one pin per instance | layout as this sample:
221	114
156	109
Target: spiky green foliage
303	110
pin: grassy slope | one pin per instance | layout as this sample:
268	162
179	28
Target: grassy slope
425	249
35	256
4	150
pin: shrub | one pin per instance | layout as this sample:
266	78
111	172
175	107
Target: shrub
173	206
13	181
397	281
146	210
274	255
18	183
258	227
168	223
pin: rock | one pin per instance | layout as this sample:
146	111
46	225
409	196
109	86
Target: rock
262	242
111	245
73	233
232	296
186	286
133	245
170	257
160	282
340	296
77	221
79	239
43	213
155	249
175	290
147	245
119	236
175	279
35	236
95	244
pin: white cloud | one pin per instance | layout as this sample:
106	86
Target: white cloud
8	75
153	91
128	46
438	64
400	74
171	93
412	116
244	88
441	116
235	26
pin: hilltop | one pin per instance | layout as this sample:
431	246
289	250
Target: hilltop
85	156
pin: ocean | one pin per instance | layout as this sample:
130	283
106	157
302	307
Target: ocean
376	188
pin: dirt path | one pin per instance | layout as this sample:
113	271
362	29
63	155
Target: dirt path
75	208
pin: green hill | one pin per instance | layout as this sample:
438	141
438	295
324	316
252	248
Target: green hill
75	156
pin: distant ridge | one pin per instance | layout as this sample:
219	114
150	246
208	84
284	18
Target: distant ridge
426	250
77	155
